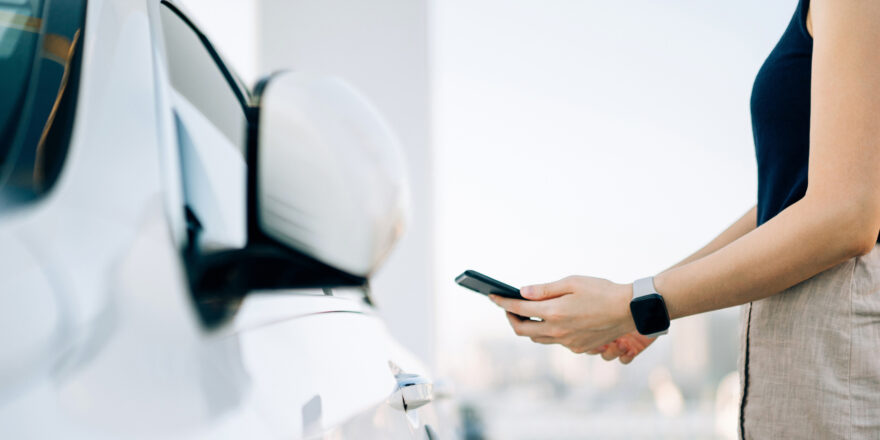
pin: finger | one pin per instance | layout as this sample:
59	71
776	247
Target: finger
519	307
540	292
598	349
634	344
626	359
541	340
633	349
526	327
626	346
611	353
639	342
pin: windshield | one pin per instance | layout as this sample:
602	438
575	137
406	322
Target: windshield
19	32
39	60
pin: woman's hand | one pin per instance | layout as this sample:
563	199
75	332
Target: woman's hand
626	347
581	313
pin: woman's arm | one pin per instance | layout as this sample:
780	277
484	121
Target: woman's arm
838	218
747	223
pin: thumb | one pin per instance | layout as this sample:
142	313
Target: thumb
540	292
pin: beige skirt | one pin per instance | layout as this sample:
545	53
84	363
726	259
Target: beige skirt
810	358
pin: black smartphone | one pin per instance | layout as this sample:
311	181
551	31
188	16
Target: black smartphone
486	285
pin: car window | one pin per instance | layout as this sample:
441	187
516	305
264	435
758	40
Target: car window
198	74
210	109
40	52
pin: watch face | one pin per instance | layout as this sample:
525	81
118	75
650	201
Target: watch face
649	313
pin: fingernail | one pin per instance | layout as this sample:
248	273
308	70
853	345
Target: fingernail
526	291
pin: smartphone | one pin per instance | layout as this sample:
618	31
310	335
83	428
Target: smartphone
486	285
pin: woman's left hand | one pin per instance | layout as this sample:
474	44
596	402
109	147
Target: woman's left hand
581	313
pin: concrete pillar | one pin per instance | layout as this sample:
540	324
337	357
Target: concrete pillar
380	47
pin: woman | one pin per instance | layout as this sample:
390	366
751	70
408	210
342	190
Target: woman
804	261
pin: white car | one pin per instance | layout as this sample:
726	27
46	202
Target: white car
182	257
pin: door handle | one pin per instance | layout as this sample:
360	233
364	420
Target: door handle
412	391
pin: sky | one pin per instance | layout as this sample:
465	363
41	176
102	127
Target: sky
587	137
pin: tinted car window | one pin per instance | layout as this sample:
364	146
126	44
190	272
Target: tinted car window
198	74
40	52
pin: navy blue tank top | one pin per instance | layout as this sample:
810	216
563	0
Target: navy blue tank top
780	107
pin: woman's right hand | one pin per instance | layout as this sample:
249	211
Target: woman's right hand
626	347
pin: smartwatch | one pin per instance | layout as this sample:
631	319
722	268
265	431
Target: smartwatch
648	309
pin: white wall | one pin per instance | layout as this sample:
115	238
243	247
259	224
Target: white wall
380	47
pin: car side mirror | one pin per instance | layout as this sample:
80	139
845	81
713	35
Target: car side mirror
327	196
330	173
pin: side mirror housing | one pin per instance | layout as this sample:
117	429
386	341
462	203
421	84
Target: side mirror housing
331	179
327	196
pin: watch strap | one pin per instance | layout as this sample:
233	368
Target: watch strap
643	287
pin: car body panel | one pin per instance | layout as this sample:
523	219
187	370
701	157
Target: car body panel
99	336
